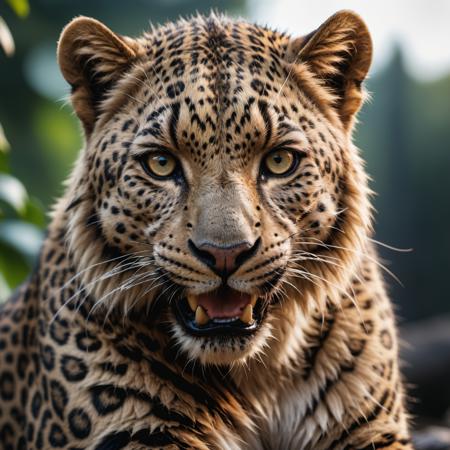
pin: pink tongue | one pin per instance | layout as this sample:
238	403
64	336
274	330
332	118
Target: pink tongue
224	303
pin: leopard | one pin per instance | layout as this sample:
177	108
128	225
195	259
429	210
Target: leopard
209	279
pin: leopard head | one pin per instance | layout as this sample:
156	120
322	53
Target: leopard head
218	190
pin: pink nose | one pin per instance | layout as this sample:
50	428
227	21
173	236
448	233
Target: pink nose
226	259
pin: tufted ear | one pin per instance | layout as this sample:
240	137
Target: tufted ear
91	58
338	54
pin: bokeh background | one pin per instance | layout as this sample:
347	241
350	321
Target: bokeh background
404	134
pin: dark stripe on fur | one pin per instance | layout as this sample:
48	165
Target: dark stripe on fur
263	109
362	420
174	123
117	441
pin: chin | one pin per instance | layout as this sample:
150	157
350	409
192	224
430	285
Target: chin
215	336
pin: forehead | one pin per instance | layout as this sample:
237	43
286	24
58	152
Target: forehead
215	51
216	86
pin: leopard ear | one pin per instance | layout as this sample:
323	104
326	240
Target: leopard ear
91	58
338	54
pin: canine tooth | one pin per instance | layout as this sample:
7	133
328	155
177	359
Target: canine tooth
201	318
192	300
247	314
253	300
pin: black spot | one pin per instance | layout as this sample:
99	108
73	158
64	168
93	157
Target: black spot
58	396
87	342
30	431
21	443
259	87
6	435
173	90
59	331
73	368
48	357
22	364
127	124
18	417
56	436
7	386
119	369
120	228
356	346
107	399
36	404
386	339
114	441
79	423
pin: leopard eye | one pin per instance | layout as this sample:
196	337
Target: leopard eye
280	162
160	164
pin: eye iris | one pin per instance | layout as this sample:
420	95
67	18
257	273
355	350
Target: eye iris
161	165
280	161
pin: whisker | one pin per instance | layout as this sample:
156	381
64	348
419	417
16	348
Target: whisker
359	253
390	247
78	274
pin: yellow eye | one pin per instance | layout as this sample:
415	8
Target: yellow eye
279	162
160	164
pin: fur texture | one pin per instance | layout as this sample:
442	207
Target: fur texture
92	354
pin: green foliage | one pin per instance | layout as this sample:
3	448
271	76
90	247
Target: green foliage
20	7
4	144
21	224
21	216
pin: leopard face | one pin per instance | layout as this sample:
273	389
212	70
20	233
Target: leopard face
218	184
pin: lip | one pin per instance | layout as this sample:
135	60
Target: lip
219	326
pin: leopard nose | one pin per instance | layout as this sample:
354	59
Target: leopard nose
224	260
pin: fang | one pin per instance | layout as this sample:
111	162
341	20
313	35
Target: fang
192	300
201	318
247	315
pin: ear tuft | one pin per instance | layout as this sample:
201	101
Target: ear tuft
91	58
339	54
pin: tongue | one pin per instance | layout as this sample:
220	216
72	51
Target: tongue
224	303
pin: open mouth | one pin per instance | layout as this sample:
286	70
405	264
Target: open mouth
224	311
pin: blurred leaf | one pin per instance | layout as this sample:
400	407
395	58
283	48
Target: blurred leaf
4	288
14	267
3	162
20	7
57	133
34	212
6	39
23	237
13	193
4	144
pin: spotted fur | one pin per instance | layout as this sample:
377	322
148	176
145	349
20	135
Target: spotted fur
91	353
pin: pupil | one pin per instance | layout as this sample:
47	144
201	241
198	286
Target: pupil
278	159
162	161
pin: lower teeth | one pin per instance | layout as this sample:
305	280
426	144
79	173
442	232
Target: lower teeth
225	319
